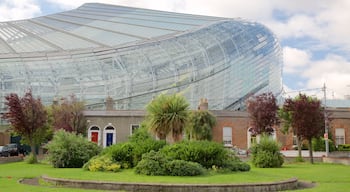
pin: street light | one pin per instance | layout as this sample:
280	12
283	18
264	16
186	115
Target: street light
325	121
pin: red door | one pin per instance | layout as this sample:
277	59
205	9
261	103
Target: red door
94	137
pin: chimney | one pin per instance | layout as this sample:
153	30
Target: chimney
109	104
203	104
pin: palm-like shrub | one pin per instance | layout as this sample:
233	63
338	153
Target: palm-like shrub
167	114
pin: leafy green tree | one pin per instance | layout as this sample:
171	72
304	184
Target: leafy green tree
167	115
28	118
262	111
201	125
305	116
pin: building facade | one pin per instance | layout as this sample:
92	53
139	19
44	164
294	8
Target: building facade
232	128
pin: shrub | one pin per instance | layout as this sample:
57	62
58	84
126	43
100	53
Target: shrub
344	147
130	153
70	151
183	168
122	153
236	166
318	144
102	163
206	153
152	163
266	154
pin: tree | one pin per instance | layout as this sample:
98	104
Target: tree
28	118
167	114
305	116
262	111
201	125
68	115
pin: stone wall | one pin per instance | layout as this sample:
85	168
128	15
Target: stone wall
151	187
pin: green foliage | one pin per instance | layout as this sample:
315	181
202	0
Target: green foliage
130	153
156	163
299	159
30	159
201	125
205	153
344	147
318	144
184	168
167	114
102	163
67	150
236	166
122	153
266	154
152	163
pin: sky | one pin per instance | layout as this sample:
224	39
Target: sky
314	34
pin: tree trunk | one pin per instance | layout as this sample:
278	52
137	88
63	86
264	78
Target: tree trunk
310	151
32	147
299	147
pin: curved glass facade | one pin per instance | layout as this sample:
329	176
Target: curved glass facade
132	55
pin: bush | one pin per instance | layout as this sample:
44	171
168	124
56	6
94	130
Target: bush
344	147
206	153
130	153
102	163
318	144
236	166
152	163
67	150
122	153
266	154
143	143
183	168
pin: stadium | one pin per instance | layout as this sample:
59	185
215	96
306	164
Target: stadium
130	55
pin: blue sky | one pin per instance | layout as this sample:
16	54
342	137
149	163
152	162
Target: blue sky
314	34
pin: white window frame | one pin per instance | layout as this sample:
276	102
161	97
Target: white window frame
339	136
227	139
133	126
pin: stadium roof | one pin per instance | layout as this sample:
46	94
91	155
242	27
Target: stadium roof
94	26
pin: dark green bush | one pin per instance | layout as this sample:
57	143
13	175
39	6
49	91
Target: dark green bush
152	163
344	147
318	144
236	166
143	143
183	168
130	153
122	153
206	153
67	150
266	154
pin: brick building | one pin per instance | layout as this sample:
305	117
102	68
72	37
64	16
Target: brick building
232	128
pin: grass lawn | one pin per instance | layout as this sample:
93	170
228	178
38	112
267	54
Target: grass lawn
329	177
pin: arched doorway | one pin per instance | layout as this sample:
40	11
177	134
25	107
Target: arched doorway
94	134
109	135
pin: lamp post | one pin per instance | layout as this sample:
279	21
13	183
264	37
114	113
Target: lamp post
325	121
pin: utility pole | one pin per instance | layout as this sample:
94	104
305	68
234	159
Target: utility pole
325	121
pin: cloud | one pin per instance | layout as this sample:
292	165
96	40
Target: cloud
18	9
334	70
295	59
